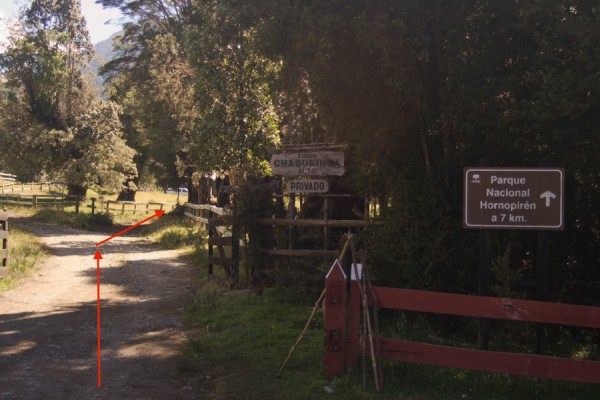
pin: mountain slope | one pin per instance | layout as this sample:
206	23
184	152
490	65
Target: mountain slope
104	53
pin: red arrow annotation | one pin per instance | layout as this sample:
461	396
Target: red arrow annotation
157	214
98	257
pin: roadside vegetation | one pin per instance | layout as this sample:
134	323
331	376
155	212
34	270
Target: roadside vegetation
173	232
25	251
241	339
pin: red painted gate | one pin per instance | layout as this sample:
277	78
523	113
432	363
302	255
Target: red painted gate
480	307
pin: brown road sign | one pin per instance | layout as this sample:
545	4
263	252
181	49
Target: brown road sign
514	198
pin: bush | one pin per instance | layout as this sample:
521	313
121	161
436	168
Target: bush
100	219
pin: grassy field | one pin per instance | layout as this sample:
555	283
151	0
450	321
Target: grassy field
24	252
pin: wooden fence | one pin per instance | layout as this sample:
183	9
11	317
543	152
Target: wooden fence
39	200
112	206
3	238
8	177
286	247
31	186
222	233
284	229
538	366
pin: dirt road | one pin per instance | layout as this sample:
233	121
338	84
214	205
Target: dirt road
48	340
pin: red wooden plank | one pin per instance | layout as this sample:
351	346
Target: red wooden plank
334	308
489	361
353	325
488	307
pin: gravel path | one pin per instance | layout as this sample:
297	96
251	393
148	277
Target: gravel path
48	339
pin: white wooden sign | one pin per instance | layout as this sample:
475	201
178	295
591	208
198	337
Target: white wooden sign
307	186
316	163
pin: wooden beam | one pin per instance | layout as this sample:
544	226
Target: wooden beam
196	218
220	221
490	361
302	253
222	261
207	207
3	234
340	223
3	254
488	307
220	241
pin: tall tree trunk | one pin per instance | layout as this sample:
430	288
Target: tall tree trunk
76	190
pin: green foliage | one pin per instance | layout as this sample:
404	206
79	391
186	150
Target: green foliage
100	219
418	89
253	200
506	275
239	127
53	126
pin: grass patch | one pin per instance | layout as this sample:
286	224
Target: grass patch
241	340
81	220
25	252
173	232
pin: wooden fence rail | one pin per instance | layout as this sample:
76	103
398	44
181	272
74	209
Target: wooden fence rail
31	186
202	212
8	177
3	238
132	206
483	307
38	200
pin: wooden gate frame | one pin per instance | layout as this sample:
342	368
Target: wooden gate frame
213	217
531	365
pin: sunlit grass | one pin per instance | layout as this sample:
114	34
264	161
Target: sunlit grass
172	232
25	253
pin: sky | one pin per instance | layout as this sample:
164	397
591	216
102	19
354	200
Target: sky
95	16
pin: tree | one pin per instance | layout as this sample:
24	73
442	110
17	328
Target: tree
157	104
63	123
238	127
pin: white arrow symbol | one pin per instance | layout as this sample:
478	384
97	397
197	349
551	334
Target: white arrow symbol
548	195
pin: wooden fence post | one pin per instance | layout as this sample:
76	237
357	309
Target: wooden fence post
3	238
210	251
235	255
353	324
325	230
334	309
